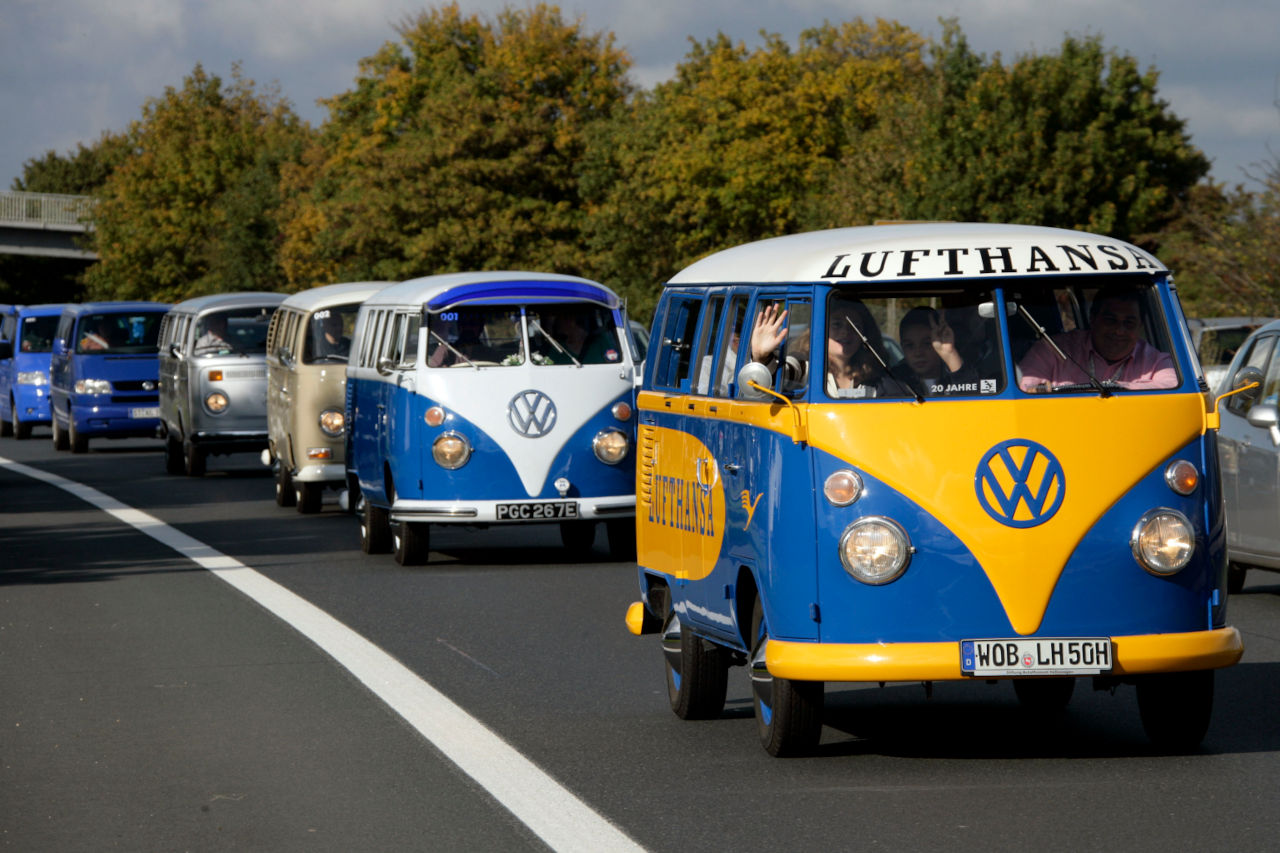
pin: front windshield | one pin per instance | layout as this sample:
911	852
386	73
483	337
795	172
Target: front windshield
475	336
119	333
492	336
329	334
37	333
239	330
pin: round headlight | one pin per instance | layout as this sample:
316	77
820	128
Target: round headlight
332	422
450	450
1182	476
610	446
1163	541
216	402
842	488
621	411
874	550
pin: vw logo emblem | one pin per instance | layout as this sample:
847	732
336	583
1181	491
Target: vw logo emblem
148	385
531	414
1020	483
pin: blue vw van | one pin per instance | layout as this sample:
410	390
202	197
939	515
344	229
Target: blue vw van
24	368
104	373
491	398
928	453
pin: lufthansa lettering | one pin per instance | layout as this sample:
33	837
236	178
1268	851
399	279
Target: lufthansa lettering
990	260
683	505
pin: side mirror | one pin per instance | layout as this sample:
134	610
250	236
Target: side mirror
385	366
759	374
175	351
1264	415
1247	376
283	353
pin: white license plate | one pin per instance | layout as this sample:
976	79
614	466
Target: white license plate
1042	656
147	412
537	511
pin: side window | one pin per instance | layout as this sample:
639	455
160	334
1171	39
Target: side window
730	344
405	343
675	347
64	328
373	340
795	358
706	341
1259	356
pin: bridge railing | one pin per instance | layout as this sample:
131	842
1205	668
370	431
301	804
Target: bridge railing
44	210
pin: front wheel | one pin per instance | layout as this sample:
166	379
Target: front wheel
697	672
788	713
375	530
285	495
193	459
77	441
308	497
21	431
59	437
1175	708
411	543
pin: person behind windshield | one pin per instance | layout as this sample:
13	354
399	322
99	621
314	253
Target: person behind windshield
215	333
1110	349
929	345
853	344
331	342
99	339
469	347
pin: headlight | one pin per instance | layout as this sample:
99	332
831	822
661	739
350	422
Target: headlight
1163	541
1182	476
216	402
610	446
842	488
874	550
451	451
32	377
92	386
332	422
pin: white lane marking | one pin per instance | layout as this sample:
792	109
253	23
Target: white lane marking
538	801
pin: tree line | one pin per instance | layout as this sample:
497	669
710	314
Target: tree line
520	141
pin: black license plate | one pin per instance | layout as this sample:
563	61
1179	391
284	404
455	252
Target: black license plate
538	511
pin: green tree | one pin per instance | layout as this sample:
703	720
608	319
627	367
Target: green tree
1077	139
192	209
459	148
76	173
735	147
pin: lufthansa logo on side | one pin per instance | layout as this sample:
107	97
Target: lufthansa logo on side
531	414
1020	483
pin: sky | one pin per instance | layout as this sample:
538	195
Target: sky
71	70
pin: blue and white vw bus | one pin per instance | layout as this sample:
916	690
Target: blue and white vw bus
491	398
930	453
104	373
25	350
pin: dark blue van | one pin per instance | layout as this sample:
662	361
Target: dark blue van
25	345
104	373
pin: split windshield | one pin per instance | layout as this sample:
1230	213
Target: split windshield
509	336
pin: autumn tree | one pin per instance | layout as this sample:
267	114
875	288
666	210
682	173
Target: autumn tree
458	149
191	210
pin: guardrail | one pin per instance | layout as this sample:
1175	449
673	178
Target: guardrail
46	210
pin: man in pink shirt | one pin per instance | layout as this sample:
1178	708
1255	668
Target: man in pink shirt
1110	348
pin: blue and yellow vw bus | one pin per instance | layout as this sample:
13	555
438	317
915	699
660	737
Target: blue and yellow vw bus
491	398
924	453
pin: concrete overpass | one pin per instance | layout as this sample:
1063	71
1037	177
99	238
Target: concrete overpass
45	224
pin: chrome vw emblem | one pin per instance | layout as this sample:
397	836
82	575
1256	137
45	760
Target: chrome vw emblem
531	414
1020	483
148	385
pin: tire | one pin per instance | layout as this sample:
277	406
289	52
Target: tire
1176	708
21	431
1044	697
1235	577
193	460
173	461
578	537
6	427
59	437
375	531
621	533
285	495
411	543
308	496
788	713
697	672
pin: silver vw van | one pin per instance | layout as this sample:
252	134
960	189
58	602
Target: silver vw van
307	347
213	378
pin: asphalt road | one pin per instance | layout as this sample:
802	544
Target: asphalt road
146	703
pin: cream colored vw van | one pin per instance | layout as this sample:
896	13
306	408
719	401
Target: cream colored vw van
307	348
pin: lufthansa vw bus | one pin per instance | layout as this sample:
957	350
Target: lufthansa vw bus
26	344
213	378
103	373
1029	494
307	349
491	398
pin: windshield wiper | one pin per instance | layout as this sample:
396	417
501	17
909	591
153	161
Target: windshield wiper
451	348
538	328
906	386
1104	390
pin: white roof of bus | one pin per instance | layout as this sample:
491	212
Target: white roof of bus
228	301
328	295
418	291
919	252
